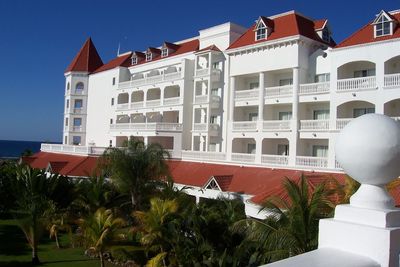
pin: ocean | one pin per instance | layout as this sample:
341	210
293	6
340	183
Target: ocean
14	149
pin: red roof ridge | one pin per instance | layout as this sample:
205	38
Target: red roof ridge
121	60
342	43
210	47
87	59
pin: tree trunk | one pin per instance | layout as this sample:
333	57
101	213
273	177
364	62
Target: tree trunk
133	200
57	242
101	259
35	258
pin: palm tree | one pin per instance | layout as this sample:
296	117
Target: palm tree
292	226
156	225
100	229
33	189
134	167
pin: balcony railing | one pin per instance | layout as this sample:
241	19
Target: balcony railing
83	150
341	123
77	129
247	94
202	72
244	125
392	80
150	80
243	157
200	127
77	110
314	125
124	106
137	104
153	103
356	84
276	125
172	101
275	159
200	99
279	91
315	162
150	126
314	88
200	155
78	92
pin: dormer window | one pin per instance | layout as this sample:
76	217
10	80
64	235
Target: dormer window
326	36
149	56
383	24
263	28
164	52
261	33
134	60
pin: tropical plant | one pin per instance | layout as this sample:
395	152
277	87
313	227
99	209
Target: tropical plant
133	168
100	229
59	222
33	190
156	226
292	224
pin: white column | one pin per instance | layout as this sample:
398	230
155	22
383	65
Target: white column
231	98
146	140
293	142
162	96
261	96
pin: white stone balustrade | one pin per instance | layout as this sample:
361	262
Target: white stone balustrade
247	94
279	91
356	84
202	72
314	125
274	159
314	88
243	157
313	162
150	80
392	80
276	125
150	126
201	155
244	125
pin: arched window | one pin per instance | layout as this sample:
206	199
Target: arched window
79	88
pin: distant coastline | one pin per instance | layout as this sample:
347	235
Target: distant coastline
11	149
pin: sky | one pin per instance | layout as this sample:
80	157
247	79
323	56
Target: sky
38	40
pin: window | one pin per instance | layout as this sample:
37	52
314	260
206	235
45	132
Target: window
77	121
261	32
382	26
148	56
110	143
321	114
254	85
76	140
134	60
79	88
215	91
78	103
364	73
283	82
66	121
68	85
357	112
283	150
111	121
324	77
251	148
214	119
253	116
113	81
65	140
67	104
112	101
215	66
285	115
164	52
320	151
212	147
326	36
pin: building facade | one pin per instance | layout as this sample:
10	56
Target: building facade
275	94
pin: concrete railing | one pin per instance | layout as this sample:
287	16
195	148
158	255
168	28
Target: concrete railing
243	157
77	110
274	159
392	80
202	72
150	80
200	127
279	91
244	125
276	125
315	162
150	126
314	88
124	106
340	123
153	103
137	104
70	149
201	155
172	101
356	84
246	94
200	99
314	125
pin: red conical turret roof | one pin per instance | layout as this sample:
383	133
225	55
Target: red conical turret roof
87	58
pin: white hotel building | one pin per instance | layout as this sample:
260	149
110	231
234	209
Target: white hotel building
274	95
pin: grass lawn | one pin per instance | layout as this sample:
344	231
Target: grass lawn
14	250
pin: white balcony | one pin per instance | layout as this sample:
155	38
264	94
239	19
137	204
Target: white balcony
69	149
279	91
356	84
244	126
153	103
247	94
314	162
200	99
277	125
202	72
79	92
200	127
77	129
243	157
274	160
151	126
341	123
314	88
314	125
124	106
172	101
137	104
392	80
150	80
201	155
77	110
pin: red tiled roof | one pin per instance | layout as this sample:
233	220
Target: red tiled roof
284	26
224	181
123	60
209	48
57	166
319	24
87	58
366	35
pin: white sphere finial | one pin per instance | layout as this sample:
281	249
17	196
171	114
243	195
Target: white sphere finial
368	149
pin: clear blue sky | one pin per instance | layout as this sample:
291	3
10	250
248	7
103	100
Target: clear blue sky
38	39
